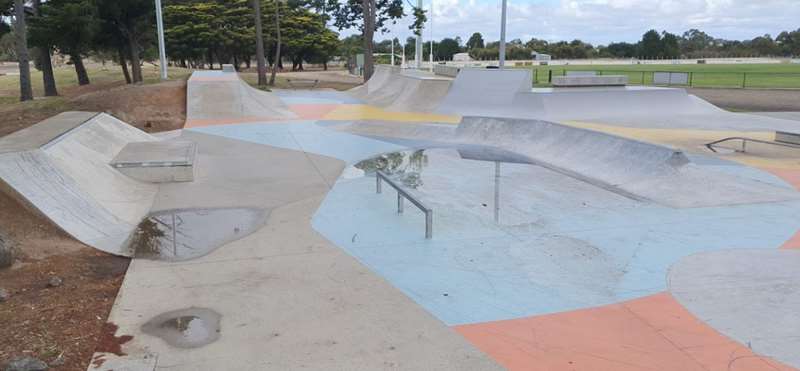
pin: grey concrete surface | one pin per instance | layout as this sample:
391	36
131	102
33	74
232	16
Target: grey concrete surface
289	299
751	296
36	136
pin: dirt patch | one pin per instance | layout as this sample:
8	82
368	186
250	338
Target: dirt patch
63	322
751	100
150	107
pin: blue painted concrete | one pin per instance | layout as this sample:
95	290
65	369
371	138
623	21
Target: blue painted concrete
562	244
304	136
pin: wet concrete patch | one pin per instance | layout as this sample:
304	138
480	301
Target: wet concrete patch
185	234
185	328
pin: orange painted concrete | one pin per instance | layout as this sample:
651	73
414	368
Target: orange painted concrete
651	333
196	123
312	111
792	177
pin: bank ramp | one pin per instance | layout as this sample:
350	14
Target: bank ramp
217	97
60	168
397	90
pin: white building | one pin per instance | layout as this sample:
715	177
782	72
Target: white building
540	56
461	57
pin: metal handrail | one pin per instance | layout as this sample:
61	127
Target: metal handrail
401	195
745	140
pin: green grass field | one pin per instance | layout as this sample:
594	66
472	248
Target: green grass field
756	76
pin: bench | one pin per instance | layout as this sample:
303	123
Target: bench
302	83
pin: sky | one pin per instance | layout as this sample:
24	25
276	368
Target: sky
603	21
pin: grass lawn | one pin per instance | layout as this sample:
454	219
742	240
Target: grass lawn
763	76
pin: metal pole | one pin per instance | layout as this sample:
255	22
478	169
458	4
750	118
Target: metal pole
162	53
393	51
497	192
399	203
418	44
430	57
503	35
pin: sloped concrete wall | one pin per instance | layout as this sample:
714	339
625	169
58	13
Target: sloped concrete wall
65	175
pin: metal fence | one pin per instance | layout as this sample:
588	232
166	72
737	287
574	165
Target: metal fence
696	79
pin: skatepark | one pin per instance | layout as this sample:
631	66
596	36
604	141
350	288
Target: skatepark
422	221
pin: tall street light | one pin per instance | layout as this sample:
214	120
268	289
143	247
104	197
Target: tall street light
503	35
418	44
162	54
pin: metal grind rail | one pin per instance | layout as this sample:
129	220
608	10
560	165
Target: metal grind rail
779	141
402	195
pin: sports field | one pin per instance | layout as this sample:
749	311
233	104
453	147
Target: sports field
756	76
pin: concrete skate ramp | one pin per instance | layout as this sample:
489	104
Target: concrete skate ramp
215	97
379	77
587	103
632	168
60	167
403	91
485	92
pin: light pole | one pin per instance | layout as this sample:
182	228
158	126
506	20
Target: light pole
393	51
503	35
430	55
418	44
162	54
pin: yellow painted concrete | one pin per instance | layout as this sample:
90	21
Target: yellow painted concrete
365	112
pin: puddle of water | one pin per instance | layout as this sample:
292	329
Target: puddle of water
185	234
186	328
404	167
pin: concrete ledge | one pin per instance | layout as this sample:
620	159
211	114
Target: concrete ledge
157	162
579	81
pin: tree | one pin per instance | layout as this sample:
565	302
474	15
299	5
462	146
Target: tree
650	46
475	41
134	20
277	42
43	60
370	16
70	26
20	30
446	49
789	42
670	46
260	62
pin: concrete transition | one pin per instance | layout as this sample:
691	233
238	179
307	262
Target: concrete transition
60	167
216	97
394	90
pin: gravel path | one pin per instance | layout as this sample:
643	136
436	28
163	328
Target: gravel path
754	100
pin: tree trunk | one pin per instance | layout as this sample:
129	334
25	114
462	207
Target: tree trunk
20	31
369	33
262	66
325	66
48	78
136	67
278	39
80	69
124	64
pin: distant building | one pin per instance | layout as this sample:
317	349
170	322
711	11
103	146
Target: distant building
540	56
461	57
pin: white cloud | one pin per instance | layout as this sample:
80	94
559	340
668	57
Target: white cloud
602	21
